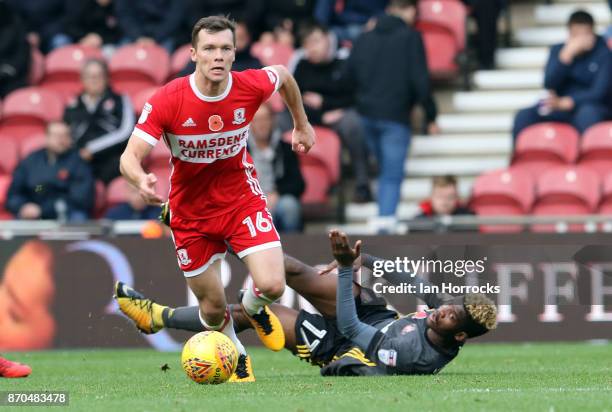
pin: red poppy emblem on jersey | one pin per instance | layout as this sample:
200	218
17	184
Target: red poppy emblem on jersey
215	123
62	174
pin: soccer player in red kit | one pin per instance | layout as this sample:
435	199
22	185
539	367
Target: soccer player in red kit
215	199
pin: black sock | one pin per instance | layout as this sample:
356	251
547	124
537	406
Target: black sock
183	318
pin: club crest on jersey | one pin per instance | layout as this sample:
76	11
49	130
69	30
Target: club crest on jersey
408	329
183	257
215	123
388	356
419	315
239	116
145	113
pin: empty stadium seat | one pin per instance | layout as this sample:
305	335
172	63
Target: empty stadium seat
505	192
447	13
605	207
116	192
545	145
63	69
159	156
317	183
27	110
9	157
596	148
29	144
179	60
37	67
139	99
566	190
136	67
162	172
325	153
272	53
5	182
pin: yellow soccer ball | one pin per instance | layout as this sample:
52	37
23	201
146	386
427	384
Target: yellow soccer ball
209	358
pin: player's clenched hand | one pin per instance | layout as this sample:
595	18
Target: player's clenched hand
341	249
146	188
303	139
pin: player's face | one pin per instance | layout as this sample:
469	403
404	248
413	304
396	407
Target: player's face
447	319
214	54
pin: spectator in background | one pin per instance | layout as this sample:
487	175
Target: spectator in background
101	121
45	21
328	102
388	69
286	17
347	18
152	21
578	78
277	169
244	59
444	199
250	12
53	182
486	13
93	23
134	208
15	51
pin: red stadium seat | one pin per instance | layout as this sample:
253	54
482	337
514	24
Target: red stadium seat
440	49
10	156
162	173
272	53
447	13
566	190
5	182
135	67
545	145
29	144
596	148
317	184
116	192
505	192
179	60
326	152
276	103
159	158
63	69
605	207
139	99
27	110
100	204
37	67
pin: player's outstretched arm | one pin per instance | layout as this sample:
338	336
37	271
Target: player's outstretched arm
303	134
130	166
347	320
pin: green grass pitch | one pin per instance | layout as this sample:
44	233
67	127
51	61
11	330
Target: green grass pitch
485	377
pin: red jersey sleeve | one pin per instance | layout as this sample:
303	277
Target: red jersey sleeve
266	81
154	119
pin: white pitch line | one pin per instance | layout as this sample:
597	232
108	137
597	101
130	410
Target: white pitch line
510	390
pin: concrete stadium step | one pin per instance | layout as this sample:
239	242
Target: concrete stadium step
545	36
459	144
363	212
495	100
522	58
508	79
459	166
477	122
416	189
559	13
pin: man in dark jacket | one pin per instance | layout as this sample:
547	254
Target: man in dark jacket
53	182
45	21
278	171
14	51
152	21
578	78
101	122
92	23
328	102
388	69
347	18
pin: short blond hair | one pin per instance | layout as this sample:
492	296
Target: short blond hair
482	311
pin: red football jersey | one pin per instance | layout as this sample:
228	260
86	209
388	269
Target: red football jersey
212	172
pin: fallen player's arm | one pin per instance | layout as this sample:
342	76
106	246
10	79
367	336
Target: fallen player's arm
433	300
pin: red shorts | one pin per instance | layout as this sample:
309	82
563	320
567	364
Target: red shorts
199	243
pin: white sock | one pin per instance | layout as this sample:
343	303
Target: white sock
227	328
253	300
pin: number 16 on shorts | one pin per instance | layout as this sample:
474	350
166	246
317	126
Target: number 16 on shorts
262	223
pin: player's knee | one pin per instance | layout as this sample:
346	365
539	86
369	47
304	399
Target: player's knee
273	290
213	311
